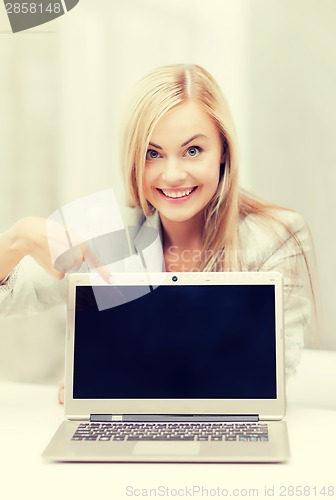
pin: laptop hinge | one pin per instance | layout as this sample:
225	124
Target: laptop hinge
173	418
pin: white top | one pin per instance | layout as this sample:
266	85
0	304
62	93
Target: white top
29	289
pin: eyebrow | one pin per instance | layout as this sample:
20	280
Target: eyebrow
183	144
193	138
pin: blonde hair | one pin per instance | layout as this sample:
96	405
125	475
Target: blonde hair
159	92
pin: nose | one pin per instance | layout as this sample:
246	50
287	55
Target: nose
174	172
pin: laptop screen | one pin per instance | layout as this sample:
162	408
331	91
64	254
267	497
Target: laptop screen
175	342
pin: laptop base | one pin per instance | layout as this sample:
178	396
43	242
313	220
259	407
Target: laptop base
63	449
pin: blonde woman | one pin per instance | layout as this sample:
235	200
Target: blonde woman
180	161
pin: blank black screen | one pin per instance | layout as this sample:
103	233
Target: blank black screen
185	341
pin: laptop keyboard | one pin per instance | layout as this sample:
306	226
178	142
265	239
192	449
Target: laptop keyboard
164	431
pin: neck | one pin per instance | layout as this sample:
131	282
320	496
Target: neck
185	234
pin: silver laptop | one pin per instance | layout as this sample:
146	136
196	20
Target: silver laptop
184	367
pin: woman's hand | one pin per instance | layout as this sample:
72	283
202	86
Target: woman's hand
61	392
28	236
48	243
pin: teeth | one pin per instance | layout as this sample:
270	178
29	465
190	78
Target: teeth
176	194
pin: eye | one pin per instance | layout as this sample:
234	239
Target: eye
193	151
152	154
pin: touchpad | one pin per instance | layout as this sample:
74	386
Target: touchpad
166	448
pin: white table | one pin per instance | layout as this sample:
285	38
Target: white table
30	415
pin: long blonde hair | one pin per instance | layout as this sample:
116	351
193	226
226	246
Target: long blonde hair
159	92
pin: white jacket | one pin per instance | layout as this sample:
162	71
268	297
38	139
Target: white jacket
29	289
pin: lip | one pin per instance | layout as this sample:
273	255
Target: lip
179	200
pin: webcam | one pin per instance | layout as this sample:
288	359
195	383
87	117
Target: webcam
174	278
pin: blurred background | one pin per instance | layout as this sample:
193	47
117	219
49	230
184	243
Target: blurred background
64	87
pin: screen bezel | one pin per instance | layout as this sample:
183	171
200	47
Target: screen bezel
264	408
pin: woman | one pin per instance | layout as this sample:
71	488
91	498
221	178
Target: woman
180	161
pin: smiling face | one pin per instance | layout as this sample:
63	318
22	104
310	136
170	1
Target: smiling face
183	163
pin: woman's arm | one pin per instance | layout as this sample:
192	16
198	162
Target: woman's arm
294	258
285	245
26	269
27	236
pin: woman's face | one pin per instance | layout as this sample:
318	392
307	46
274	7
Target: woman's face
183	162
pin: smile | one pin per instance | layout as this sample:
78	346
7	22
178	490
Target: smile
177	193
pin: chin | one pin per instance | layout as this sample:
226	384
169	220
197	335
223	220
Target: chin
179	217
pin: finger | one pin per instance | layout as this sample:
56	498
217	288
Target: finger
61	393
47	265
70	261
94	263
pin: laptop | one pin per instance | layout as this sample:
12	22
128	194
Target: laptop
174	367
